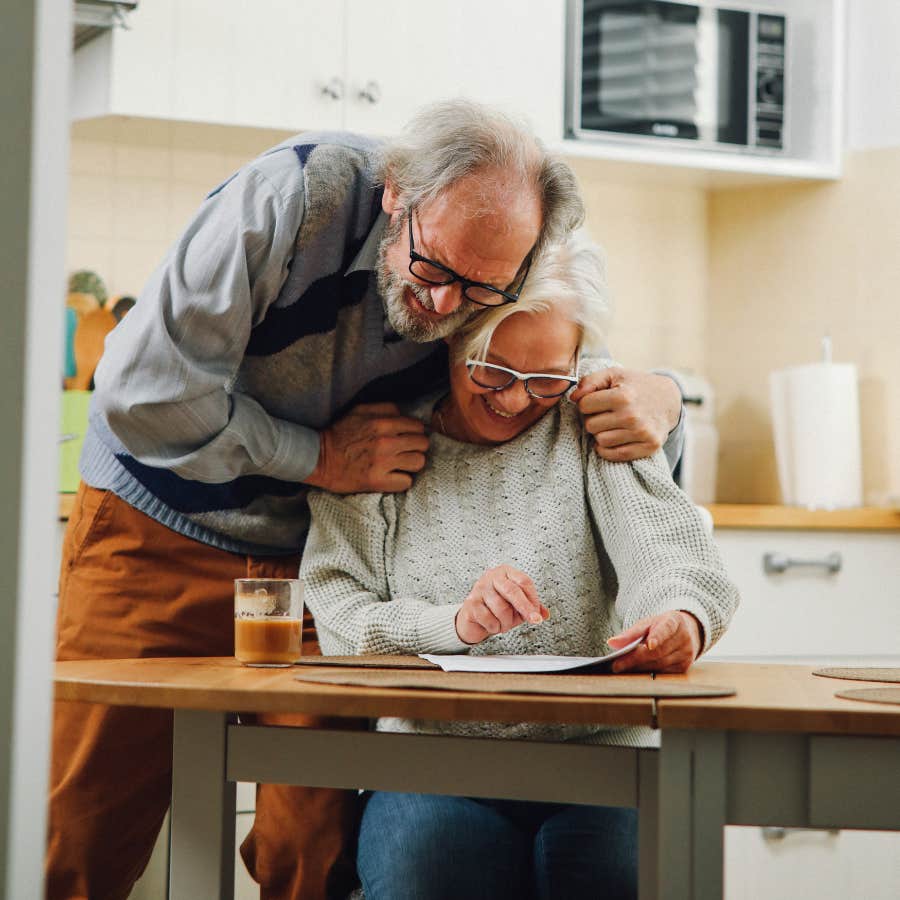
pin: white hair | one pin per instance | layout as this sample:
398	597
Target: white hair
570	277
450	140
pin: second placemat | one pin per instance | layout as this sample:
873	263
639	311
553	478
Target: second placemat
564	685
868	673
872	695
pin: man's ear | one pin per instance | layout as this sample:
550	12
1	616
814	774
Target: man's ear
390	201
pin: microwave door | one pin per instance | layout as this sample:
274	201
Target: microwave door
665	69
639	69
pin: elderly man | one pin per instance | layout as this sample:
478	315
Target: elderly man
266	353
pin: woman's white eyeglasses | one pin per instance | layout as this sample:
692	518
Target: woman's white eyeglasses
538	384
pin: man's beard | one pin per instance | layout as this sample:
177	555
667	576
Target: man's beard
404	319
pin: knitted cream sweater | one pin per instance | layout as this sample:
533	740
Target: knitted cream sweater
606	544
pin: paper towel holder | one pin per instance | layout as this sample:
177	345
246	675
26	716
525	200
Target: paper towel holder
776	563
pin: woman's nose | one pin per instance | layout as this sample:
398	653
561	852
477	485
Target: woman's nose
513	399
446	298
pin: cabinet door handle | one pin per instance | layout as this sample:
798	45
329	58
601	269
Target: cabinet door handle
334	90
779	834
775	563
371	93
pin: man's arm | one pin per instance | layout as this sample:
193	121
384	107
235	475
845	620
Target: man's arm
164	383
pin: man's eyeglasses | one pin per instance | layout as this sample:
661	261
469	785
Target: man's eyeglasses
432	272
537	384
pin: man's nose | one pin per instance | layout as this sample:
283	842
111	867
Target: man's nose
513	399
446	297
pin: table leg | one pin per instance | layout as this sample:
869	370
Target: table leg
648	824
202	852
692	805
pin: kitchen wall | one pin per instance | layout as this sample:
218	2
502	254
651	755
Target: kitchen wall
787	265
654	232
136	182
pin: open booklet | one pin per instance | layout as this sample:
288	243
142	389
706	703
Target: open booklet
461	662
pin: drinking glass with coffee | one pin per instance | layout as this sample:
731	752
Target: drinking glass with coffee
268	621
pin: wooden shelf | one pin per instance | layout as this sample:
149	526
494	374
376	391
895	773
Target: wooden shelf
747	515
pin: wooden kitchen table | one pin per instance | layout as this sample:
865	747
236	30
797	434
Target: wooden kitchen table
783	751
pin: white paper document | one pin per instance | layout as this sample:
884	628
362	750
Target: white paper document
459	662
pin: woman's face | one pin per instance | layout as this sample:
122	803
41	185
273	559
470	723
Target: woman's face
543	342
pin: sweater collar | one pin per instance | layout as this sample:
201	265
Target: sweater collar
366	258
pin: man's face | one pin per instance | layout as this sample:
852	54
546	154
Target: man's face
479	239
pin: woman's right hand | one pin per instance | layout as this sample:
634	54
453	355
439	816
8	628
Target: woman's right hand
500	600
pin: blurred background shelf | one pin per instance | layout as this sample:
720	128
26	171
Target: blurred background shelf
752	515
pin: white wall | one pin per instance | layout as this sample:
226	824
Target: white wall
873	101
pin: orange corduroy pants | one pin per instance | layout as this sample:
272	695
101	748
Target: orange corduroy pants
130	587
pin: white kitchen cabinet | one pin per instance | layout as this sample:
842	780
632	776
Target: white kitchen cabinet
324	64
403	54
806	614
265	65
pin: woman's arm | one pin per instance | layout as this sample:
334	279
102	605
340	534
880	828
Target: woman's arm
664	558
346	584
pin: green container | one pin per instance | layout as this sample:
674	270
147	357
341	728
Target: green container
73	428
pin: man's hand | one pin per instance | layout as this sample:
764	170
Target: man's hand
500	600
673	641
630	413
373	448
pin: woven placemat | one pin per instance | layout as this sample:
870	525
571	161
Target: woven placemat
567	685
372	661
873	695
861	674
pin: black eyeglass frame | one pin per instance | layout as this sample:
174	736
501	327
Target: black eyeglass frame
508	296
515	376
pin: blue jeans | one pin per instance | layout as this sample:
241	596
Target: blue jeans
427	847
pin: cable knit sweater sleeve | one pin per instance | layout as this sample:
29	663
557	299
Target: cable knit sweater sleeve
347	590
662	553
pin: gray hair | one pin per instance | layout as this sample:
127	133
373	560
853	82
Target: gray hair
570	277
447	141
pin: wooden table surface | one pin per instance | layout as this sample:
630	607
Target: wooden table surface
769	697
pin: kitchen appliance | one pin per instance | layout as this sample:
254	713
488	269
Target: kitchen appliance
690	74
695	472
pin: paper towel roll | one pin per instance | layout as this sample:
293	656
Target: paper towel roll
815	417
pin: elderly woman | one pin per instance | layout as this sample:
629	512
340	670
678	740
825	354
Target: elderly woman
516	538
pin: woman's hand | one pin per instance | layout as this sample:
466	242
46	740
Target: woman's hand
673	641
500	600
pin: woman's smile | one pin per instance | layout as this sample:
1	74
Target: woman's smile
499	412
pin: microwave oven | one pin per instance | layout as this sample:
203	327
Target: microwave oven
691	74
